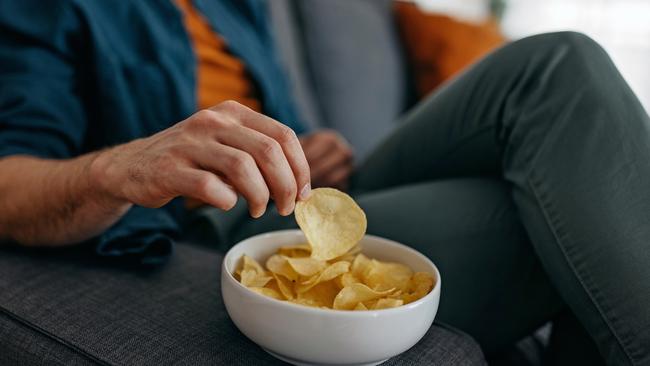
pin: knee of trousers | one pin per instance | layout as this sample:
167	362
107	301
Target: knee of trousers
557	69
569	52
578	42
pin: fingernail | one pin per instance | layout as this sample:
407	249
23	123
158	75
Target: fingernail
287	211
305	191
259	214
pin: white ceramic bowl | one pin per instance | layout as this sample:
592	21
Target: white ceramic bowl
310	336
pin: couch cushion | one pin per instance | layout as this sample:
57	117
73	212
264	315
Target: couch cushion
356	66
22	345
440	46
65	303
292	57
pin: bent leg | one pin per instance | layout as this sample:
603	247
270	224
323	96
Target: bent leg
493	286
552	116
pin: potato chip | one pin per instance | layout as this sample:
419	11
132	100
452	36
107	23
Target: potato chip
360	265
395	295
330	272
349	256
327	274
249	263
360	306
422	282
381	276
332	222
251	278
362	284
320	295
351	295
346	279
370	304
273	285
279	264
267	292
295	251
306	266
420	285
284	285
387	303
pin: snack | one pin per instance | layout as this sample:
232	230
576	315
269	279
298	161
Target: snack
330	271
332	222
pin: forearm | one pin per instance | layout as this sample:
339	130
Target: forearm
212	156
53	202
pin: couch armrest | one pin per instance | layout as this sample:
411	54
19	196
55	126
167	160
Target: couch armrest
66	307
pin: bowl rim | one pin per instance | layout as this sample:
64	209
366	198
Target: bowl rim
346	313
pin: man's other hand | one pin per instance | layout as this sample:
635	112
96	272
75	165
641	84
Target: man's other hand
330	158
212	156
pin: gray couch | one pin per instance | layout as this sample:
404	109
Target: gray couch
66	307
346	65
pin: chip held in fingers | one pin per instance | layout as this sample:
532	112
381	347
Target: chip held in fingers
330	271
332	222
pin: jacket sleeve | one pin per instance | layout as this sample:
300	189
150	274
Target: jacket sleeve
41	89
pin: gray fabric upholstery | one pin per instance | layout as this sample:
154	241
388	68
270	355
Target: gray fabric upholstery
22	345
288	41
65	308
355	65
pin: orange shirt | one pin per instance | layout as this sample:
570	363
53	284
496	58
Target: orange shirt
220	76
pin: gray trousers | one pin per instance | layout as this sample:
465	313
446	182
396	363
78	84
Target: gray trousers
527	181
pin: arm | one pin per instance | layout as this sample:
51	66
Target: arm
330	158
53	201
212	156
66	198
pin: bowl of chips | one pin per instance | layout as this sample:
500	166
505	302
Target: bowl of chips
345	299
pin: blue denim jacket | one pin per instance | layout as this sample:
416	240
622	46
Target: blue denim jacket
79	75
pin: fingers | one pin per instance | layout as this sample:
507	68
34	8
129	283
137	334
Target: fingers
257	155
338	178
282	134
271	161
239	169
325	150
331	161
317	145
205	187
216	154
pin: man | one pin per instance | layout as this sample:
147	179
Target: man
541	143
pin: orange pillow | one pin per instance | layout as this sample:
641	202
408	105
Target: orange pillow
438	46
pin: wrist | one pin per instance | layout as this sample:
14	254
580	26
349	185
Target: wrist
103	179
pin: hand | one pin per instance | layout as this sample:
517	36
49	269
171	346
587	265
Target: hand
212	156
330	158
